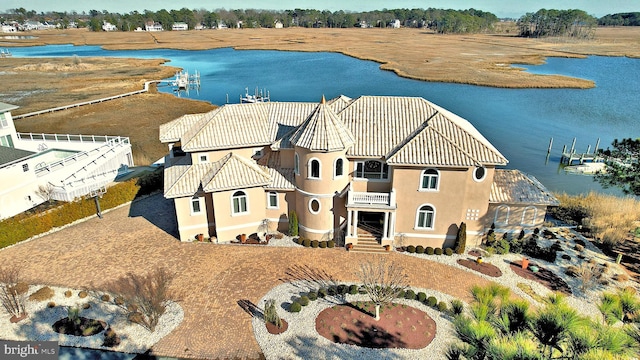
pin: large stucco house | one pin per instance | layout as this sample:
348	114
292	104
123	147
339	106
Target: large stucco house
37	167
403	167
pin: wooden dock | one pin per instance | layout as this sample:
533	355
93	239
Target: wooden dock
571	156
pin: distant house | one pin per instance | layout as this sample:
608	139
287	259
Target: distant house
199	27
107	26
153	26
395	24
66	166
278	24
179	26
8	29
221	25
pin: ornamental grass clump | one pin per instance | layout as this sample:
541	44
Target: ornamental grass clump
271	314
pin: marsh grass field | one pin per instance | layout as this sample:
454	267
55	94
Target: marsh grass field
478	59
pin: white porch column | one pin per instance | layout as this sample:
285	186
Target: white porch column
386	225
349	214
392	226
355	223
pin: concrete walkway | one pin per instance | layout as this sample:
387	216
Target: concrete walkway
211	279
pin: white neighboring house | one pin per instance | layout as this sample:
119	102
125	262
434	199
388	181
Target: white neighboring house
8	29
107	26
278	24
395	24
67	166
179	26
151	26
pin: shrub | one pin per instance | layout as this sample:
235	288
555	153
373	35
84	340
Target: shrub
314	243
11	300
566	256
331	244
86	306
457	307
271	313
148	293
442	306
401	294
411	249
322	244
448	251
51	304
295	307
579	248
461	238
20	288
621	277
322	292
420	249
296	240
293	224
42	294
429	250
502	247
304	300
342	289
306	242
118	300
105	297
410	295
111	339
82	294
437	251
432	301
422	296
68	293
353	289
332	290
312	295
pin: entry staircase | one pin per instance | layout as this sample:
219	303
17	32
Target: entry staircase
369	239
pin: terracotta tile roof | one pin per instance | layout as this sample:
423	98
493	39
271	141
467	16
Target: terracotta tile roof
323	131
230	172
515	187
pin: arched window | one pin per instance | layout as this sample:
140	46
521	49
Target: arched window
502	215
239	202
425	217
429	179
314	169
296	164
529	215
338	168
272	200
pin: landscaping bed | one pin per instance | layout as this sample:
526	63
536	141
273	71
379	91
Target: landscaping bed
483	268
543	276
400	326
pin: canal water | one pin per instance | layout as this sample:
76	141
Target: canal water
519	122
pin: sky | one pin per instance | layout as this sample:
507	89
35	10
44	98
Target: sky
501	8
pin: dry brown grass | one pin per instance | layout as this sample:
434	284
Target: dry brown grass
481	59
611	218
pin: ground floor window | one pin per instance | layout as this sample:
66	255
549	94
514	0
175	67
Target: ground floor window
425	217
239	201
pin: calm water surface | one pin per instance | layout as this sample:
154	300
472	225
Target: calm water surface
519	123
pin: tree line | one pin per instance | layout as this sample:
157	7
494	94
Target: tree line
570	23
620	19
441	21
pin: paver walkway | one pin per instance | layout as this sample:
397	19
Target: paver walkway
211	279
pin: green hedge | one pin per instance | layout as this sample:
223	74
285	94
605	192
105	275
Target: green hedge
24	226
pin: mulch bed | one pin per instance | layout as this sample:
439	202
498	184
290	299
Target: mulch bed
484	268
400	326
272	329
543	276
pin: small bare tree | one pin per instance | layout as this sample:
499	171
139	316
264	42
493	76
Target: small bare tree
144	296
382	281
44	192
12	300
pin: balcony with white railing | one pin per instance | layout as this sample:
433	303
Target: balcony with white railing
371	199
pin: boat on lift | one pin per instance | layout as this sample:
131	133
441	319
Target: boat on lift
257	97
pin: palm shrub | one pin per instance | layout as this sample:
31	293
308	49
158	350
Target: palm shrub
457	307
271	314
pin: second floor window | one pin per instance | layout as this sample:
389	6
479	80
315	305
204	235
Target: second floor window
339	168
429	180
314	169
296	164
371	169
